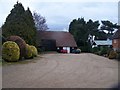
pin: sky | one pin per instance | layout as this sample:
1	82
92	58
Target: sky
59	13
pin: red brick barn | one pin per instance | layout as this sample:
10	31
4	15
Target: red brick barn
116	41
55	41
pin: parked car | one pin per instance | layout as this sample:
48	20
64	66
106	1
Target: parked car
76	51
63	51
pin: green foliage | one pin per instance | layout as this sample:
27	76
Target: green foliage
112	55
40	50
20	22
109	50
10	51
109	26
80	29
95	50
118	56
103	50
85	47
29	53
34	51
100	35
30	37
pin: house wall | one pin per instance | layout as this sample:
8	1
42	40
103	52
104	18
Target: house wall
48	45
67	48
116	44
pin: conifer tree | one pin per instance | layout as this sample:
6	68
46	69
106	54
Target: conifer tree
20	22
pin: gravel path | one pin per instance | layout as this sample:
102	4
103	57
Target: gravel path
62	71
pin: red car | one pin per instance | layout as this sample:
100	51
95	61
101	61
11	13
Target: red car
63	51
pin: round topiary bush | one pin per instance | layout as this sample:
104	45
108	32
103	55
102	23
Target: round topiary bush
21	43
34	50
10	51
112	55
28	52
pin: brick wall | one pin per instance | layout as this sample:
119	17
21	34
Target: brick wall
116	44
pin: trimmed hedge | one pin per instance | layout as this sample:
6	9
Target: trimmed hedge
21	43
28	52
10	51
34	51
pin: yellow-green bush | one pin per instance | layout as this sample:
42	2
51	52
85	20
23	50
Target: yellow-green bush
28	52
34	51
10	51
112	54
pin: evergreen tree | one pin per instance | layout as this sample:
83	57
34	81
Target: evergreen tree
77	29
31	27
20	22
13	20
81	29
109	27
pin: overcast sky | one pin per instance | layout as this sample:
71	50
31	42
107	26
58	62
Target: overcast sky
59	13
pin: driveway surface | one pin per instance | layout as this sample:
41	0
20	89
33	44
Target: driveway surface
62	71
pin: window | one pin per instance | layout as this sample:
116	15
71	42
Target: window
115	41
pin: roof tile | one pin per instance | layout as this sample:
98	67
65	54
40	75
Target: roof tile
63	39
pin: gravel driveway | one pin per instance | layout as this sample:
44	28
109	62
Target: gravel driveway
62	71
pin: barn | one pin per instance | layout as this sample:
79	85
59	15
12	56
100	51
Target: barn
55	41
116	41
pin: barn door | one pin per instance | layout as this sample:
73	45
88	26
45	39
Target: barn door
49	45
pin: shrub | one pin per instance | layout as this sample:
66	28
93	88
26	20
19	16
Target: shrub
95	50
118	56
39	49
10	51
108	51
34	51
28	52
21	43
112	54
104	50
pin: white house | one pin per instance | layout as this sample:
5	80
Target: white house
107	42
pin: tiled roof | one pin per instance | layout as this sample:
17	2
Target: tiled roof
63	39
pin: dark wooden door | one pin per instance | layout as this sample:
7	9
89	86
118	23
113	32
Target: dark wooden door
49	45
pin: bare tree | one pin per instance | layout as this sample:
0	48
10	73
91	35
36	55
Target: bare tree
40	22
